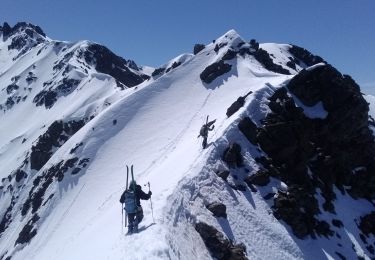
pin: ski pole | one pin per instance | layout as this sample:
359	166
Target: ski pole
152	211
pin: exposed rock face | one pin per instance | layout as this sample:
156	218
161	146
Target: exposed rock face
260	178
339	149
218	209
232	156
305	56
214	70
57	134
367	224
263	57
219	246
107	62
237	104
198	47
249	129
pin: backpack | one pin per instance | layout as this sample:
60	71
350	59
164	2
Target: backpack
130	202
203	130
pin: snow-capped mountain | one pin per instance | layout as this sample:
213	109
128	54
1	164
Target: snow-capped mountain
288	172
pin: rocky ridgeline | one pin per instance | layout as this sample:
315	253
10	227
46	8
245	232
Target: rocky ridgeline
107	62
301	57
24	36
306	154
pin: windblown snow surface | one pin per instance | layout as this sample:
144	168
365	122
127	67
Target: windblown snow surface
155	127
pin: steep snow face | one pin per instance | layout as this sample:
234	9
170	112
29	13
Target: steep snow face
67	207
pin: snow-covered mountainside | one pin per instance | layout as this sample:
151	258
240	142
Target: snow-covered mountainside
288	172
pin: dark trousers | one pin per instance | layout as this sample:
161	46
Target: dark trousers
135	219
204	143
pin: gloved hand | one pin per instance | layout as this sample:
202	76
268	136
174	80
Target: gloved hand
149	193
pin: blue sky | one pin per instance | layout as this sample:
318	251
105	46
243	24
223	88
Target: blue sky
152	32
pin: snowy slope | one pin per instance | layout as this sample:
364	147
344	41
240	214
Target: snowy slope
75	214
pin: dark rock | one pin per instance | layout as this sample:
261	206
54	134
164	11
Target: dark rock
230	54
249	129
12	88
66	86
297	208
237	104
20	174
323	228
7	217
223	174
6	29
337	223
263	57
240	187
232	156
107	62
218	209
219	246
254	45
57	134
198	47
174	65
46	98
305	56
214	70
367	224
28	231
73	150
157	72
261	178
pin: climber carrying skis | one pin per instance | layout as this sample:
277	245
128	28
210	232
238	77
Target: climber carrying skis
208	126
131	197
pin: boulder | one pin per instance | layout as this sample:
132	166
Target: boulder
220	247
367	224
249	129
198	47
260	178
232	156
214	70
218	209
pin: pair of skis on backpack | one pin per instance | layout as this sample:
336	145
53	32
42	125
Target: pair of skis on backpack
127	188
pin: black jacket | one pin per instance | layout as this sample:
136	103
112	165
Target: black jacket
139	195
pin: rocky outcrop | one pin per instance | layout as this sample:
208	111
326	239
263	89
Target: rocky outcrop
237	104
232	156
301	54
260	178
218	209
367	224
56	135
263	57
198	48
214	70
107	62
310	153
249	129
220	247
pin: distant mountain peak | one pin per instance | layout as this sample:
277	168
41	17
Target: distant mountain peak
20	27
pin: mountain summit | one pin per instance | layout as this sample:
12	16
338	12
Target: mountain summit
288	172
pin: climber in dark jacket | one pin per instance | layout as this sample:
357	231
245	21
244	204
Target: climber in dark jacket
135	217
204	132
